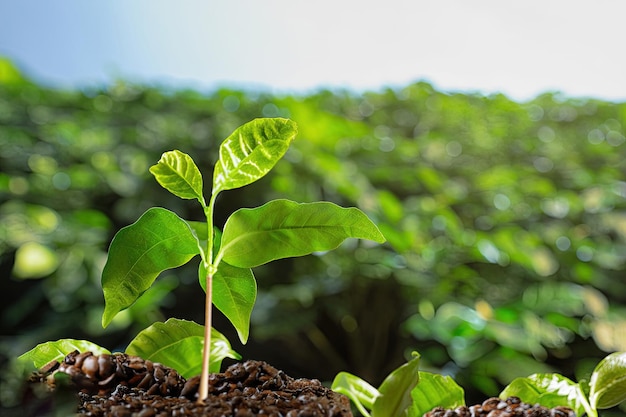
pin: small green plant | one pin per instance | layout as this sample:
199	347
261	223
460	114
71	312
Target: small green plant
605	389
160	240
407	392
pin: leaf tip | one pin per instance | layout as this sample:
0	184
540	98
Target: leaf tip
108	315
379	237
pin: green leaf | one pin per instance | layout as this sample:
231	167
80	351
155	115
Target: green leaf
608	381
360	392
178	174
44	353
234	294
435	390
251	151
178	344
283	228
549	390
158	241
395	391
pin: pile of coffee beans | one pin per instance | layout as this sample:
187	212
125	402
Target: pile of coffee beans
121	385
495	407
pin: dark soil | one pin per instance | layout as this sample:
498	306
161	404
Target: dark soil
121	385
495	407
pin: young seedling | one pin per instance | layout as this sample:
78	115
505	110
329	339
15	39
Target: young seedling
605	389
407	392
161	240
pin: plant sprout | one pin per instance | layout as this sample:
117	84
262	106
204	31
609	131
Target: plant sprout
408	392
161	240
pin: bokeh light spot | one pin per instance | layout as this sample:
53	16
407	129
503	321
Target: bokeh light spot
61	181
34	260
555	207
387	144
544	263
595	137
18	185
231	103
543	164
535	112
546	134
501	202
42	164
454	148
270	110
584	253
563	243
615	138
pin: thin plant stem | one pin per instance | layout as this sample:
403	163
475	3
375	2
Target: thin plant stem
203	391
208	213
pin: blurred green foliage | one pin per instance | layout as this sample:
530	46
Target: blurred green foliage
506	224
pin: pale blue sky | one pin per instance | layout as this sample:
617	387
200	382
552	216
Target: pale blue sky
521	48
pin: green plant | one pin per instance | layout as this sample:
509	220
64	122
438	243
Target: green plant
605	389
408	392
404	392
161	240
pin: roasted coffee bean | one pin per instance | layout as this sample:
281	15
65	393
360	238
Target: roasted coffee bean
146	382
190	388
80	358
562	412
106	367
491	404
159	374
90	367
146	412
50	367
136	363
108	382
462	412
245	412
153	390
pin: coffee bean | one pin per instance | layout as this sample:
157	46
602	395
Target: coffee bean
90	367
190	388
146	412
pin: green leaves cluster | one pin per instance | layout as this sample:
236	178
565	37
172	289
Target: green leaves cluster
605	389
408	392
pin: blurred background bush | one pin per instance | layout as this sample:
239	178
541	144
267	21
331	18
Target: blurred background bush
506	225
